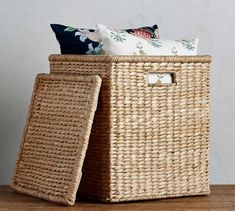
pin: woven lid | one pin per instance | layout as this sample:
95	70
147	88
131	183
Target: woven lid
56	137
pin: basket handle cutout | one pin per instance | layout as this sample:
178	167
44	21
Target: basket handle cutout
161	78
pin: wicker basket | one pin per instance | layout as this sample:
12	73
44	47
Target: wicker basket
148	141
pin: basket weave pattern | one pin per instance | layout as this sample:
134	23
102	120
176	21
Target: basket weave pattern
56	137
147	141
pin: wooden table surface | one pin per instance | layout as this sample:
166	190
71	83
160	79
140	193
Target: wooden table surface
222	197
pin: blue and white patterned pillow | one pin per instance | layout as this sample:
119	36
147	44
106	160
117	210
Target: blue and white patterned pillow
85	41
116	42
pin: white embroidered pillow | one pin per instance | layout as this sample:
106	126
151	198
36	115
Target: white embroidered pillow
116	42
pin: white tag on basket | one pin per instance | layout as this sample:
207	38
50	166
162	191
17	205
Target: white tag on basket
160	78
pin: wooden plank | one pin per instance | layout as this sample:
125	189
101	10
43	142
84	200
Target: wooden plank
222	197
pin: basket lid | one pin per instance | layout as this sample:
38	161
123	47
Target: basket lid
56	137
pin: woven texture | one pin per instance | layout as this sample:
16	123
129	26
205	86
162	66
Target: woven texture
56	137
147	141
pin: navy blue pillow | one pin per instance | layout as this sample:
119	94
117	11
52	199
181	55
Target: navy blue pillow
85	41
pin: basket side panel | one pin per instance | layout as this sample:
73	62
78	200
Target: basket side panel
81	67
160	133
96	169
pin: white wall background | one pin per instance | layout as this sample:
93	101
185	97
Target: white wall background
26	41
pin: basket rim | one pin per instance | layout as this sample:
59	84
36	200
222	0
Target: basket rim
130	59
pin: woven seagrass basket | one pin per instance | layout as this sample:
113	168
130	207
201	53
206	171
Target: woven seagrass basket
148	141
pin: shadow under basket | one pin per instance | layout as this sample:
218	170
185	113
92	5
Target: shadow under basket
148	140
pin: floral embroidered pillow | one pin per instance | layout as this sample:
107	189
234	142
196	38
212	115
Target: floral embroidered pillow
85	41
117	42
